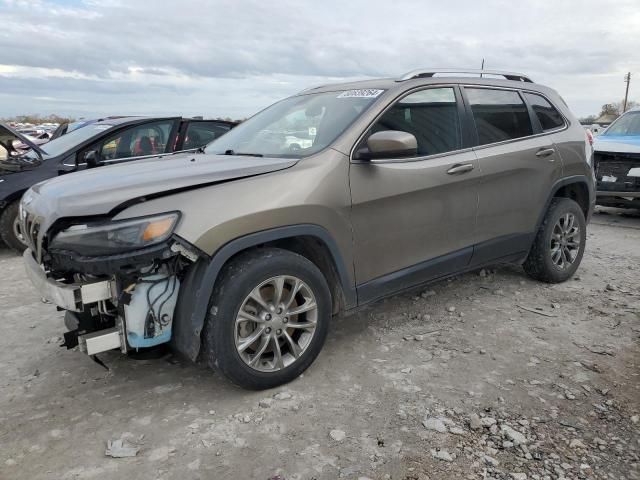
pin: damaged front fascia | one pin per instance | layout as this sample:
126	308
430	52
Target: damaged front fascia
122	263
615	172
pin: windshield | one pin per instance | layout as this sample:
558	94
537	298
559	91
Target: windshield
72	139
297	126
628	124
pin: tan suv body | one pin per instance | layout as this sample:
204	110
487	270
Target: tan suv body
324	202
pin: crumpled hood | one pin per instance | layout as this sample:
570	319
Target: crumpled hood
617	143
99	190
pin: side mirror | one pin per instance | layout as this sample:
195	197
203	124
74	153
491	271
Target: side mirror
391	143
91	158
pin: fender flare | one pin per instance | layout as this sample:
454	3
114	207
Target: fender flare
563	182
198	284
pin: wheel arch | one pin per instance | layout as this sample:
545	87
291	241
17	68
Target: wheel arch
578	192
312	241
576	188
12	197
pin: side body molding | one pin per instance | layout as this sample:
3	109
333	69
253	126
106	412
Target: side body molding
198	284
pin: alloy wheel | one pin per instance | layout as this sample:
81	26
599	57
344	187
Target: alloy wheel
276	323
565	241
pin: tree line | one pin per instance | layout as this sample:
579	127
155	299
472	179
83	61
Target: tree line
614	108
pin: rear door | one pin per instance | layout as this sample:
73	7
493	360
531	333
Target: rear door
414	218
518	163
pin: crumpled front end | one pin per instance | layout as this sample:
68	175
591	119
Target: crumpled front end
117	281
618	178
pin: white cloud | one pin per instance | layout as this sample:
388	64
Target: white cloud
231	58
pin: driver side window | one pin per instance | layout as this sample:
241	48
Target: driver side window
138	141
430	115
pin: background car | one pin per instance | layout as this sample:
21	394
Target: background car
617	162
69	127
98	143
37	139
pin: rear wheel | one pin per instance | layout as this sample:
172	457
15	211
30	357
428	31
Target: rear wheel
10	229
269	318
559	244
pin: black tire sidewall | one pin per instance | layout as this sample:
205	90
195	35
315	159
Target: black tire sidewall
234	285
7	217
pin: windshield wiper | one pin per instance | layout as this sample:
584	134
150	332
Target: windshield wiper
243	154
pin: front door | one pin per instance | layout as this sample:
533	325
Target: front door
414	218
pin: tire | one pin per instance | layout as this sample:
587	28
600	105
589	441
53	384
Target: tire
256	274
7	228
544	263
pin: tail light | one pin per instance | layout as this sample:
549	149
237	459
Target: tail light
589	136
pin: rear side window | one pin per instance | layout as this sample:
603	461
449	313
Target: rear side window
548	116
430	115
499	115
200	133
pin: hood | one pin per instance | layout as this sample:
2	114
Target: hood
99	191
8	136
617	143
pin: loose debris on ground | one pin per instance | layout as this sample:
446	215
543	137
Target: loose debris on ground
485	376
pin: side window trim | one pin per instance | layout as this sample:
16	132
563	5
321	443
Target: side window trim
469	120
182	131
171	138
465	133
534	120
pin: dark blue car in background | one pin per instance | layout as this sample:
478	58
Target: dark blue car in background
90	144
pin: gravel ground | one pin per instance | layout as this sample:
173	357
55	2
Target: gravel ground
487	375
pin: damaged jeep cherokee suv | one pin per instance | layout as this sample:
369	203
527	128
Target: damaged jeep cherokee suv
325	201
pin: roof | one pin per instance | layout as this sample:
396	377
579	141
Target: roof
114	121
442	78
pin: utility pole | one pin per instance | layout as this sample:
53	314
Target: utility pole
627	80
481	67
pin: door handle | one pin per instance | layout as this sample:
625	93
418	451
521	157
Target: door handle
545	152
460	168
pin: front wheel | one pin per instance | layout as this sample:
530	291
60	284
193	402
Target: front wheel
10	229
269	318
559	244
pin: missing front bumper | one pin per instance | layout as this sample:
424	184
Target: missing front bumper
70	296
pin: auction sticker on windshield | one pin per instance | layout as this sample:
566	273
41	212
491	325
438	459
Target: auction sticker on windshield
362	93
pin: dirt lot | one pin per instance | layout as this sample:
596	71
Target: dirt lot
487	375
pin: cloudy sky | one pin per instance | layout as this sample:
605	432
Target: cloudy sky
232	58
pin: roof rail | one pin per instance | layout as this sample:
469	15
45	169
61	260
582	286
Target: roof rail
430	72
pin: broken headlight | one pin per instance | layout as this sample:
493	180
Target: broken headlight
114	237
